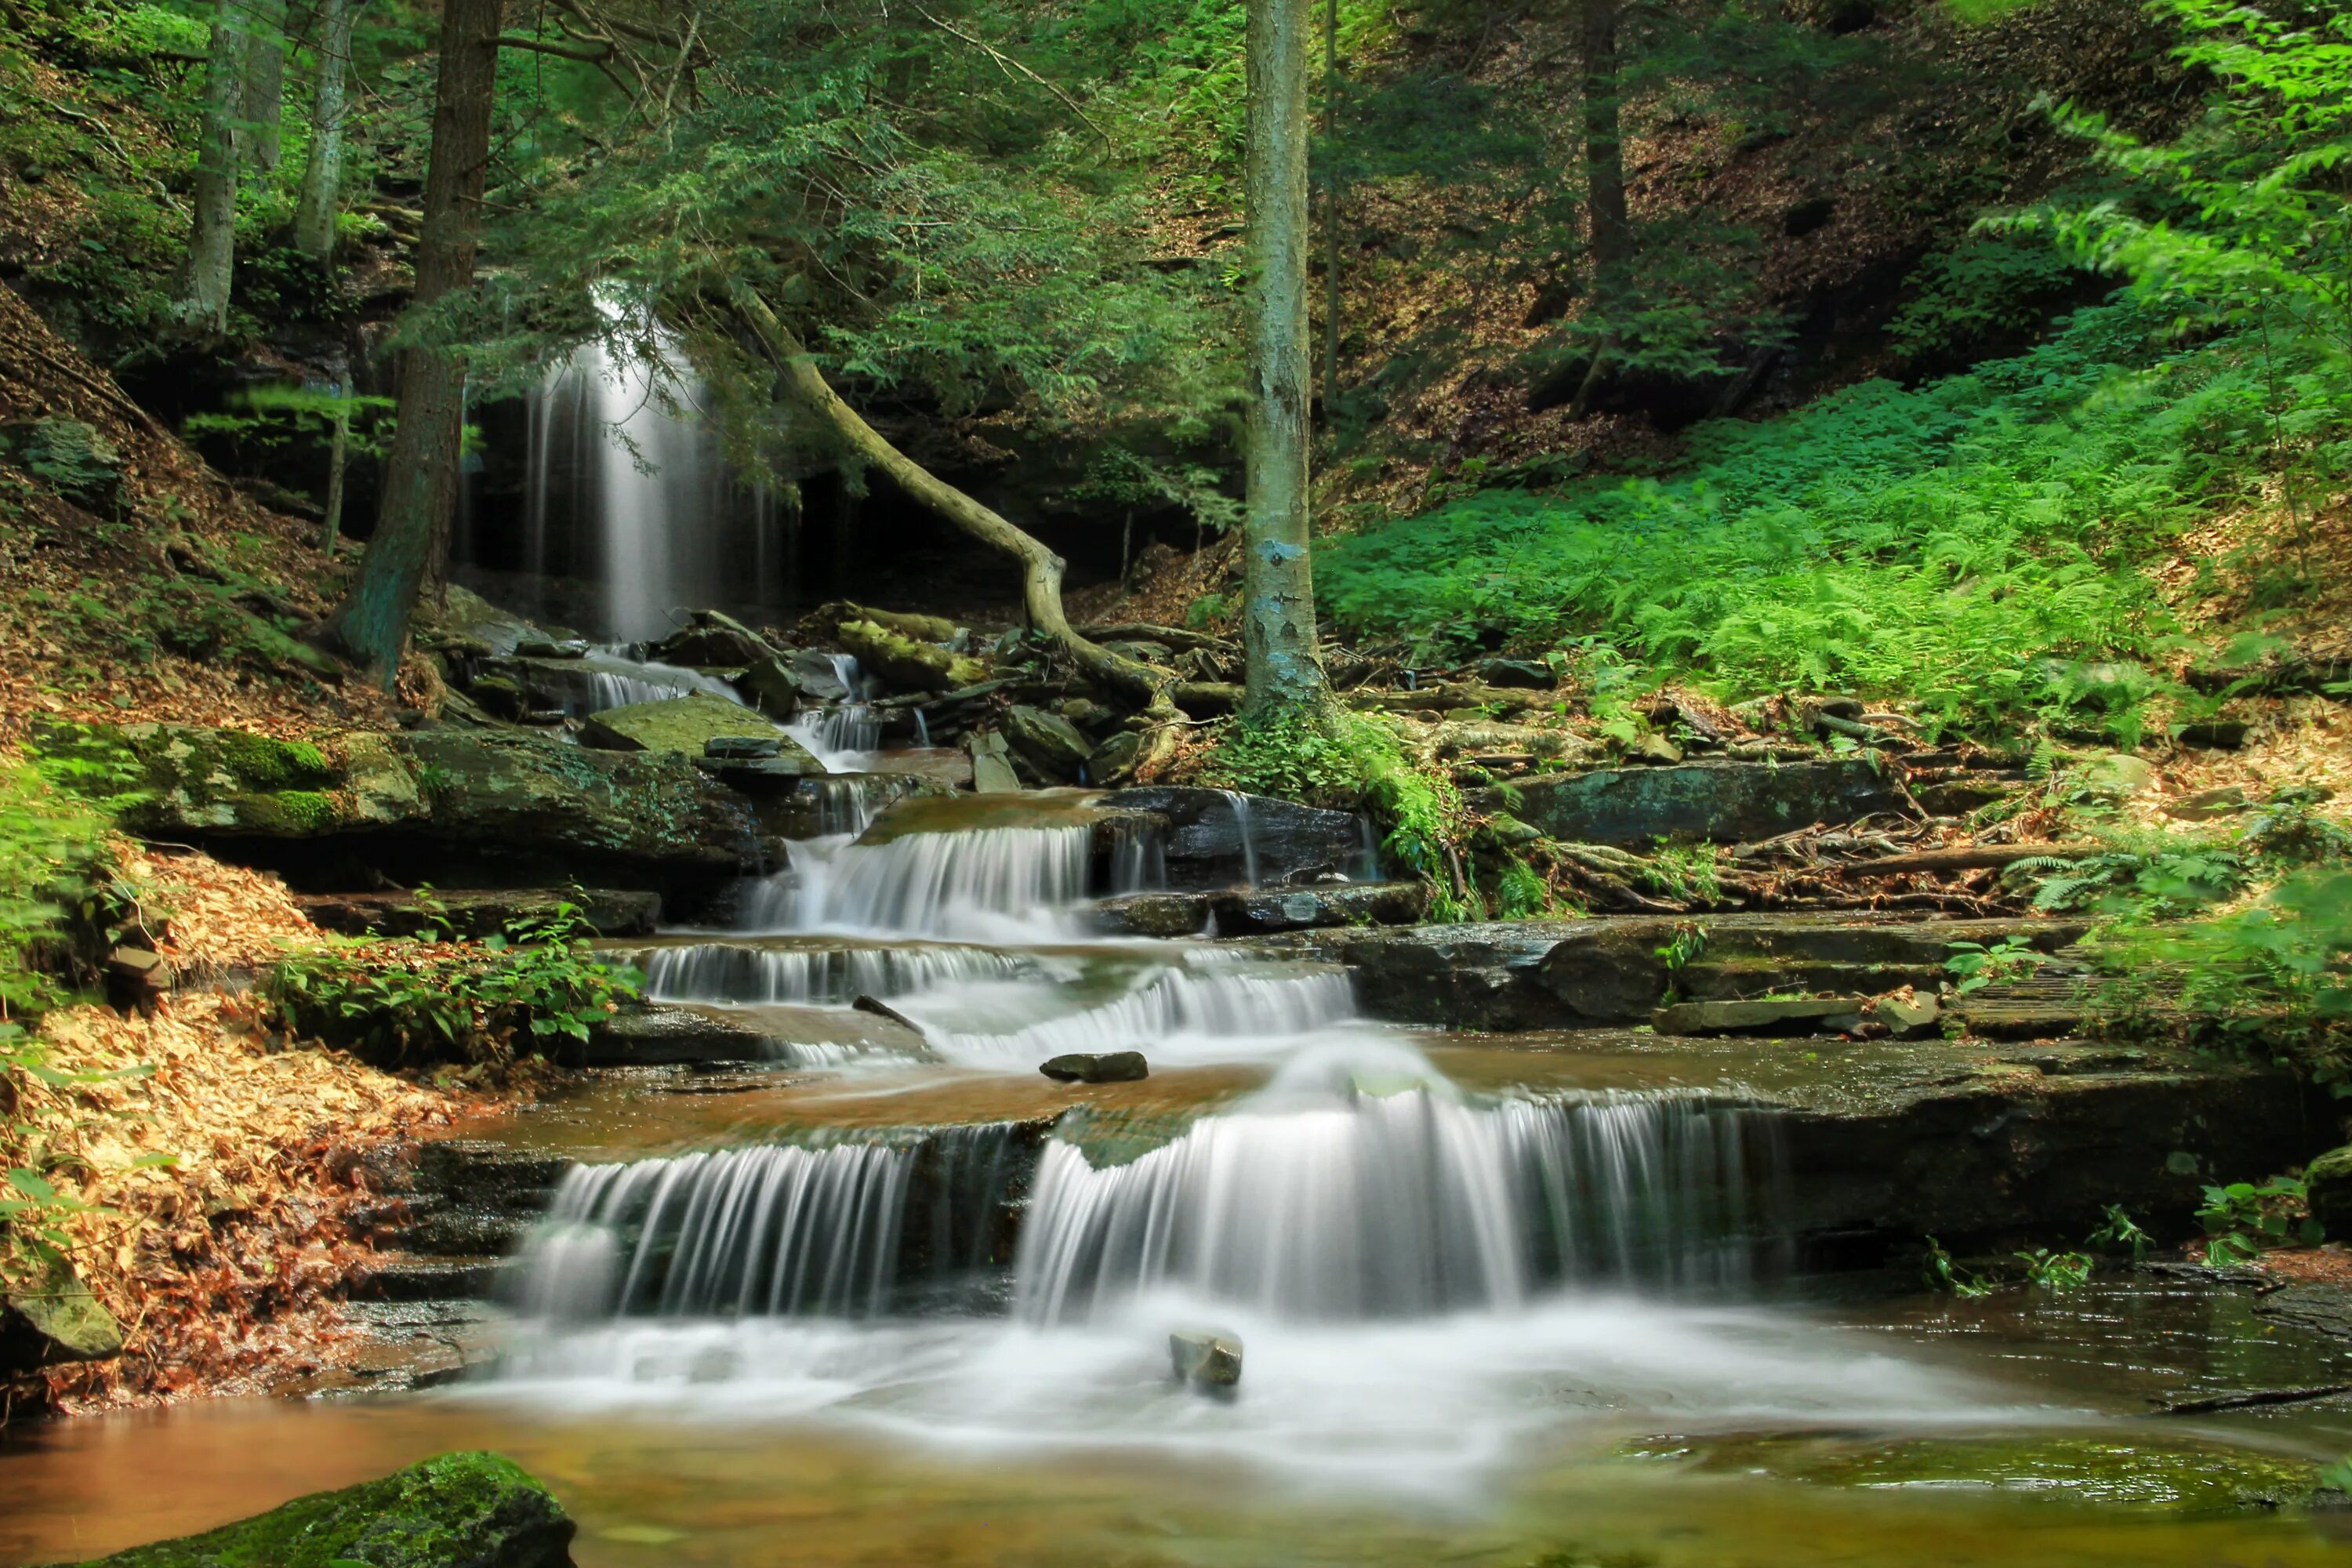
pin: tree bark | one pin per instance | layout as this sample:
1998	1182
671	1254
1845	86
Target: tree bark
264	95
322	172
420	478
1609	230
1277	576
1041	569
211	265
1330	212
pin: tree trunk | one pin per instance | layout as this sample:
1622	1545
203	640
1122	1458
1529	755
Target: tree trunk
211	239
420	475
1331	212
322	174
1041	569
264	87
1278	581
1609	230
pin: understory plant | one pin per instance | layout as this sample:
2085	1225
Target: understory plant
487	1004
2242	1220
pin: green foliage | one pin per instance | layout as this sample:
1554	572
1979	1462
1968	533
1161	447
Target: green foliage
2242	1220
1688	873
2152	875
2119	1232
1987	288
1943	1274
261	420
1973	965
487	1003
1943	543
2056	1271
52	845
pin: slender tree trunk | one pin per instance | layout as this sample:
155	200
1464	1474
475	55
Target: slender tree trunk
339	453
264	85
1278	581
211	239
420	475
1332	211
322	172
1609	229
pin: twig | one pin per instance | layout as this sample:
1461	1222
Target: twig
2252	1398
1007	64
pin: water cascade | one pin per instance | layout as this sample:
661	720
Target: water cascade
985	884
1185	1014
1353	1198
617	679
731	973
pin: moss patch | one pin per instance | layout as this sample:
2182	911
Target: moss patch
471	1509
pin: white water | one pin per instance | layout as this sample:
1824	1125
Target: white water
733	972
994	884
1173	1015
617	679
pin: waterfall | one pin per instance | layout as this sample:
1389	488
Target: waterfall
843	732
1174	1015
978	885
1320	1200
651	485
738	974
617	679
1242	829
764	1231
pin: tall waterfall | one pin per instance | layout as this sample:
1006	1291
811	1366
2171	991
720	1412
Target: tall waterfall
1322	1200
985	884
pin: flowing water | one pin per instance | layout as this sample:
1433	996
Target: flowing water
1520	1307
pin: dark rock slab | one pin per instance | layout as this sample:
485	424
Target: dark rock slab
453	1510
2328	1185
682	1034
1242	913
1047	741
1728	802
1096	1067
479	913
1791	1017
712	641
1152	914
1292	843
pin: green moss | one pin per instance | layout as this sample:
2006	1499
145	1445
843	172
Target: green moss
292	811
473	1509
260	762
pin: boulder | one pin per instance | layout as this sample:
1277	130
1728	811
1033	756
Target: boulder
453	1510
1209	1361
774	686
1095	1067
52	1318
712	641
2327	1186
1247	913
479	913
1291	843
1049	742
1113	761
992	763
1152	914
1727	803
686	724
1525	673
201	781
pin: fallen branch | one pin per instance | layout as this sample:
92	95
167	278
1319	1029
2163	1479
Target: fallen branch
2252	1399
1970	857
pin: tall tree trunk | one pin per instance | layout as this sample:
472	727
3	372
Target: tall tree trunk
211	265
1330	211
1609	231
420	475
322	172
1278	581
264	85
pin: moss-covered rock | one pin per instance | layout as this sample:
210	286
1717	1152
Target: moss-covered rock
54	1318
2327	1186
687	724
202	781
903	662
454	1510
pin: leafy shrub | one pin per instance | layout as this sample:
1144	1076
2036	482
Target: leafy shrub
486	1004
2242	1220
52	845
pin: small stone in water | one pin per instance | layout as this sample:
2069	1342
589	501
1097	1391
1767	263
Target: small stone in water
1205	1360
1105	1067
743	746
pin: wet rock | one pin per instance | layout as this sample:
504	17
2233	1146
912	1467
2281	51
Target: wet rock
543	648
744	746
1047	741
1520	672
1305	909
1113	761
1293	843
1205	1360
772	686
2215	735
2328	1185
712	641
661	1034
992	763
500	698
51	1317
480	912
755	775
1655	750
135	977
1795	1018
687	724
2118	776
1152	914
1612	973
1096	1067
454	1510
1910	1018
942	767
1727	803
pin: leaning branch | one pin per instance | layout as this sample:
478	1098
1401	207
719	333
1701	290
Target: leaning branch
595	52
1041	569
1008	65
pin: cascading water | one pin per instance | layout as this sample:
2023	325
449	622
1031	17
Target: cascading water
742	974
617	679
981	885
1215	1013
1324	1198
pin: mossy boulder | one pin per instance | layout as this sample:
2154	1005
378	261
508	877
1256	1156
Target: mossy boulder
713	641
687	724
2327	1186
70	458
52	1316
454	1510
1728	802
1047	741
199	781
